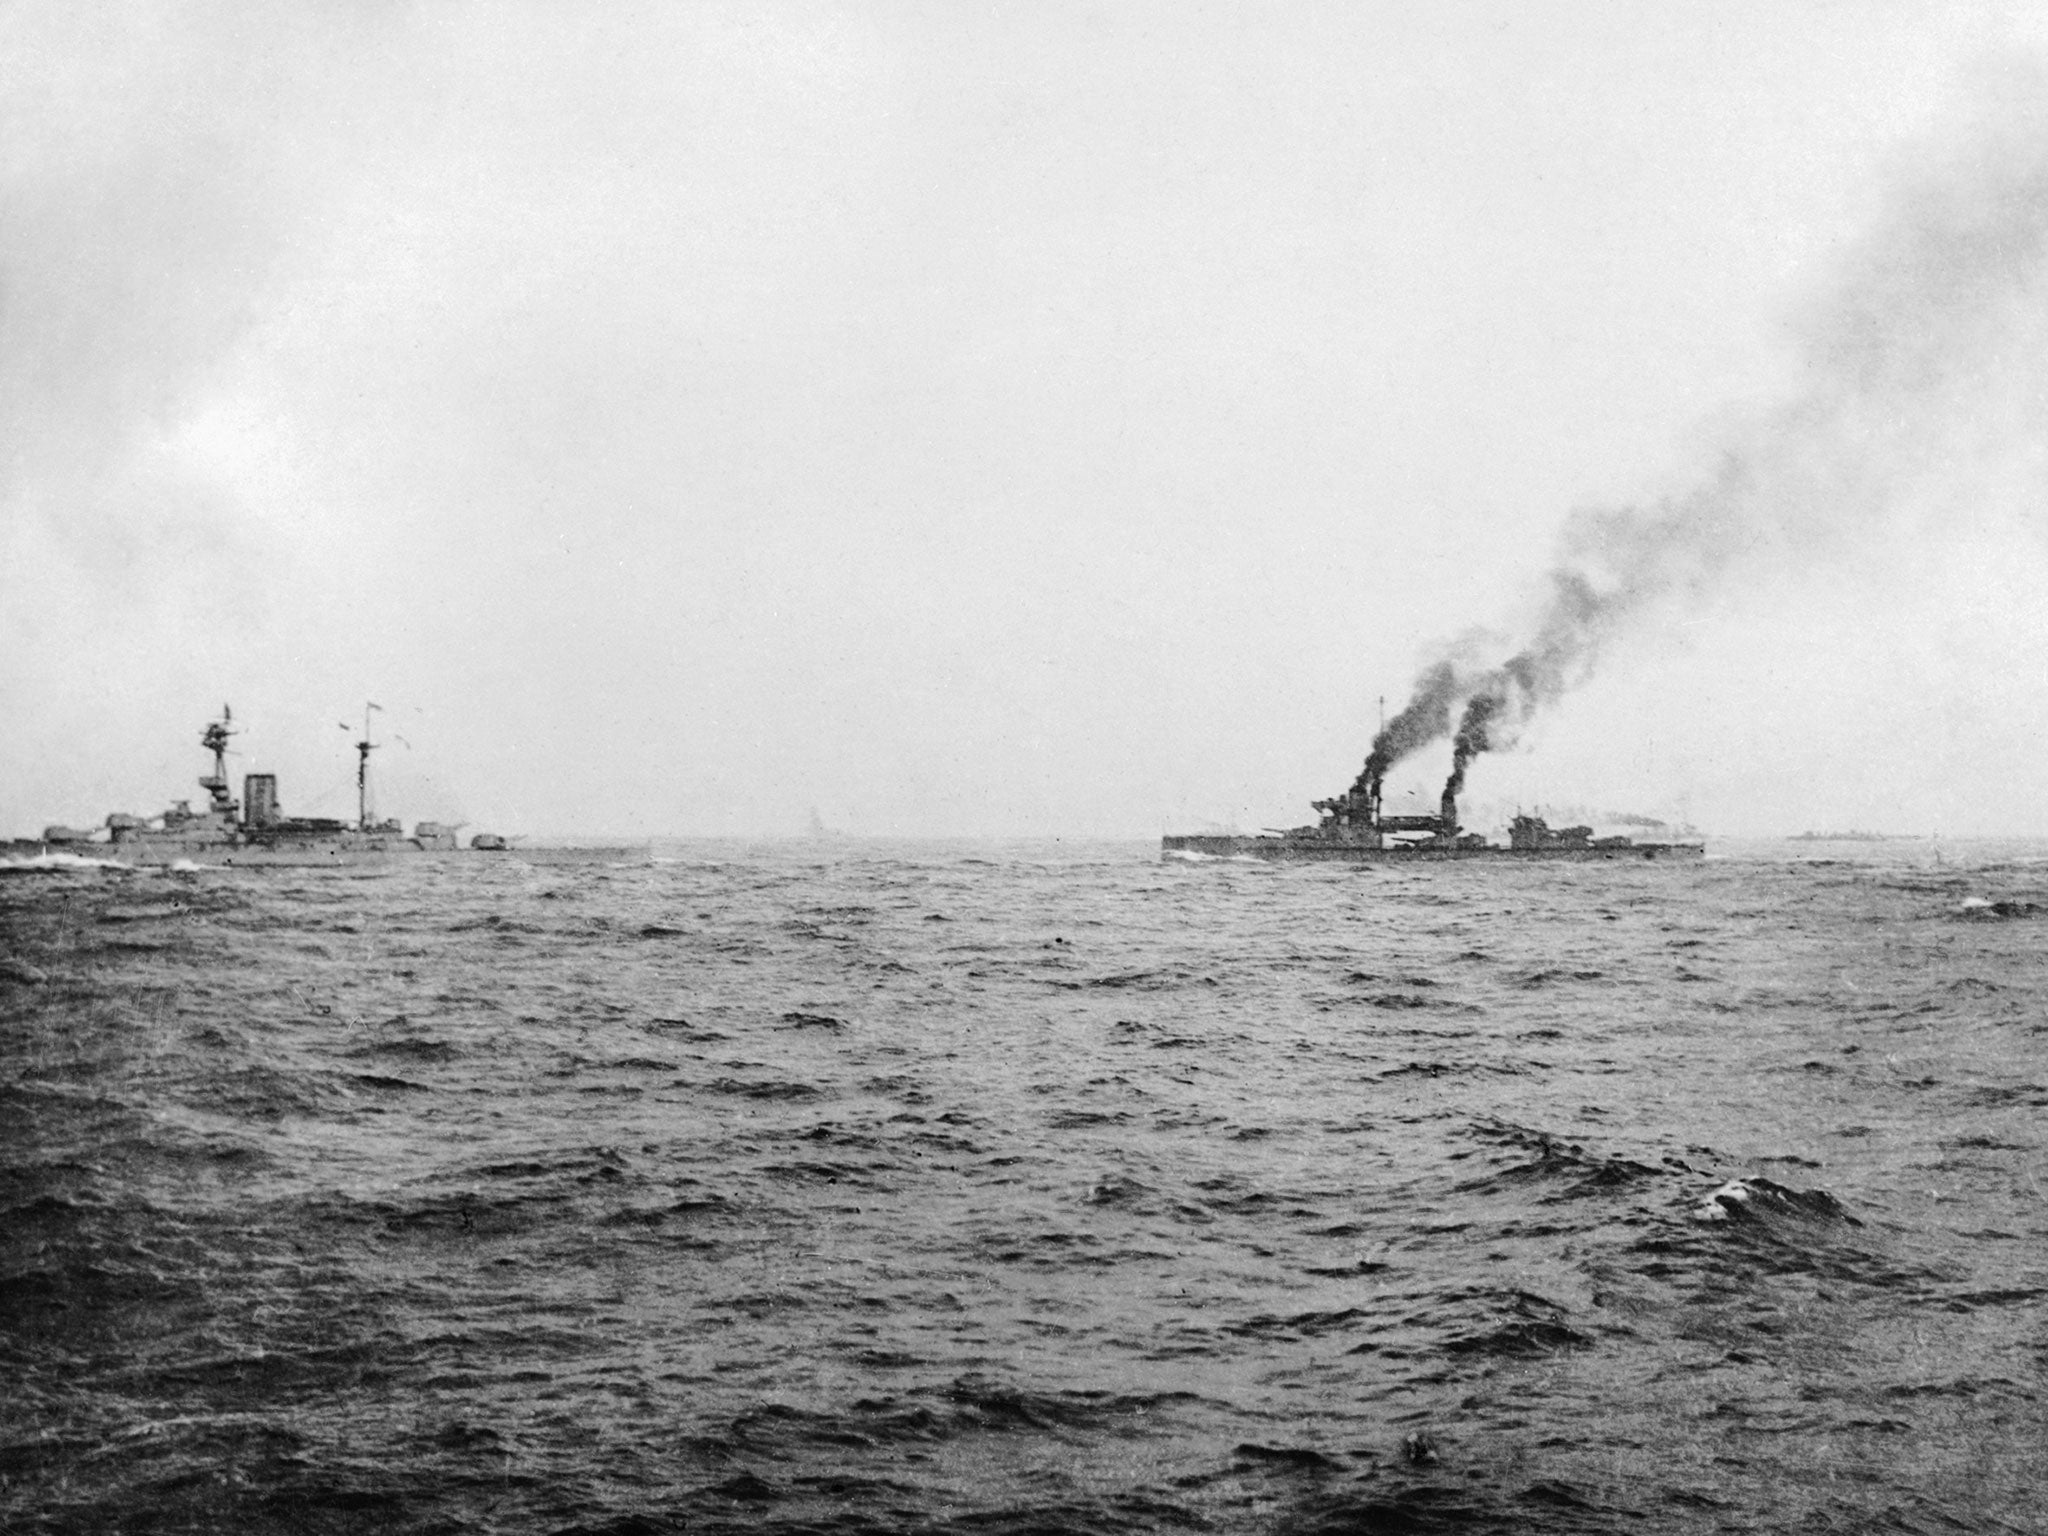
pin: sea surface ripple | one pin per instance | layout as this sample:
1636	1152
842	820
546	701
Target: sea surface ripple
1027	1188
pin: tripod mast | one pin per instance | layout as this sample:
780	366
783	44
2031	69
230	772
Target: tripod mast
363	750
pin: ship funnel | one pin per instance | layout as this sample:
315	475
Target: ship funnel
259	800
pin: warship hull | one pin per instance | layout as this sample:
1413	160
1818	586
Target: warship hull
1313	849
307	853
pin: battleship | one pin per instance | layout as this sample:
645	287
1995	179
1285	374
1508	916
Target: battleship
255	831
1354	829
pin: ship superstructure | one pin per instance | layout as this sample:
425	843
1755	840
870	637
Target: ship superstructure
256	830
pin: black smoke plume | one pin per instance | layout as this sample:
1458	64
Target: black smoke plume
1934	328
1425	717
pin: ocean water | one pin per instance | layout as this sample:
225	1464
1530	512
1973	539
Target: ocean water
1007	1188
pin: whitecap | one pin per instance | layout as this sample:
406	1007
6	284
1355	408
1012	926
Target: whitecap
1717	1203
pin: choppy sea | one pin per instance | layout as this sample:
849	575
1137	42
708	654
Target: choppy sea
1028	1188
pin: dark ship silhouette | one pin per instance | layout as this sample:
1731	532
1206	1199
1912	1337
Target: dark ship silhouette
1353	828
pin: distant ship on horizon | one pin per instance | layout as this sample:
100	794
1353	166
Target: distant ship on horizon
255	831
1354	829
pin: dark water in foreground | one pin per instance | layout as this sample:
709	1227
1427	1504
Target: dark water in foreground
875	1187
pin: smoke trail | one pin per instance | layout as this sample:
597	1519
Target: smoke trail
1425	717
1931	313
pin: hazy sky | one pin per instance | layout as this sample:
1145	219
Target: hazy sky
1022	418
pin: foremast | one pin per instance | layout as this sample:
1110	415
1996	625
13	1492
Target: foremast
215	740
364	748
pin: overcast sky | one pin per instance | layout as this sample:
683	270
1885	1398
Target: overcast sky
1017	419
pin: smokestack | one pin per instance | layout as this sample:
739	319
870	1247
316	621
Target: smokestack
259	800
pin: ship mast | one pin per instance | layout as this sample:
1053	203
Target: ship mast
363	750
215	740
